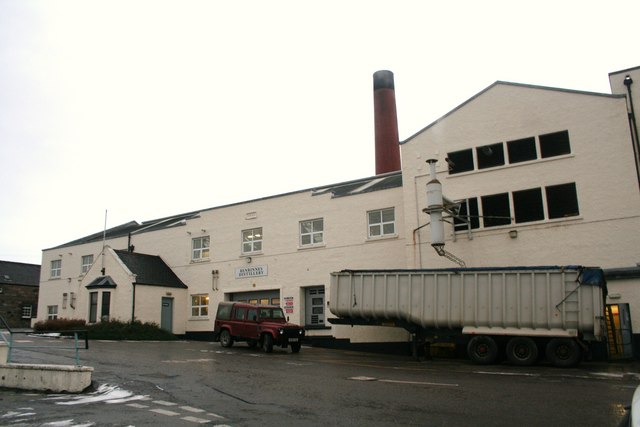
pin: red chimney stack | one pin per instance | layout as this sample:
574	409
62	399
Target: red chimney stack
386	123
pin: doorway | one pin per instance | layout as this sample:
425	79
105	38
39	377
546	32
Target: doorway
619	331
166	314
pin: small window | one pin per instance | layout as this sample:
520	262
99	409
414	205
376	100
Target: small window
252	314
562	201
460	161
65	298
467	215
93	307
52	312
527	205
239	314
522	150
106	306
490	156
275	301
27	311
382	222
554	144
200	248
56	268
312	232
87	261
495	210
224	311
252	240
199	305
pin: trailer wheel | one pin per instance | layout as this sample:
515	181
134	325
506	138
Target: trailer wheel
267	343
482	350
563	352
522	351
226	340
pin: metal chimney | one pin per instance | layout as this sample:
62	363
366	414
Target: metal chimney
386	123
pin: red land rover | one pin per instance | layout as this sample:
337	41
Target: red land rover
265	325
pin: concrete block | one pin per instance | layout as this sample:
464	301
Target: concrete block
4	352
54	378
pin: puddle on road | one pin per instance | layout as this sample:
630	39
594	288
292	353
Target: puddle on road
106	393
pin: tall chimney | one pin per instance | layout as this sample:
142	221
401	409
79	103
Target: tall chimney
386	123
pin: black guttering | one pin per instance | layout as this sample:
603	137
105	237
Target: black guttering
628	81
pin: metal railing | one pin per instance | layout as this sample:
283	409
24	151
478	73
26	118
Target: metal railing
77	339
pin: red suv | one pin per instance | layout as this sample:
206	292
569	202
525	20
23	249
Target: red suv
256	324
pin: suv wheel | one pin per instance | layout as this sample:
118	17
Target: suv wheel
267	343
226	340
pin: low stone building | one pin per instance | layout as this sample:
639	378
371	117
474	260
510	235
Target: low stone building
19	285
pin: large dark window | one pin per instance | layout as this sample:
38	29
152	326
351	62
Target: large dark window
467	215
522	150
93	307
490	156
106	306
562	200
495	210
527	205
460	161
554	144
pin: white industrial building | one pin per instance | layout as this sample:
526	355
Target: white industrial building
536	176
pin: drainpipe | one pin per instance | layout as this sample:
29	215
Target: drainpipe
628	81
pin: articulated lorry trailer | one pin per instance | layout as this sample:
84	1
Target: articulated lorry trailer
521	313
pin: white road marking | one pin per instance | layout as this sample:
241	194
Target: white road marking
137	405
164	403
215	415
512	374
196	420
164	412
190	409
419	383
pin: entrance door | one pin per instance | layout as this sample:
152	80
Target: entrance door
166	314
619	331
314	307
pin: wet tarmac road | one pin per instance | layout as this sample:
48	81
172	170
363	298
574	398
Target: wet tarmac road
188	382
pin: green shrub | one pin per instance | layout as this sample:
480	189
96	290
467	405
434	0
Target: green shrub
136	330
59	325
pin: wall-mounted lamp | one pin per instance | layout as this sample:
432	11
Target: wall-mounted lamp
513	234
248	260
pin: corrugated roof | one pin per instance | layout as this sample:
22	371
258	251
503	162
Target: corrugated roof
150	270
17	273
361	186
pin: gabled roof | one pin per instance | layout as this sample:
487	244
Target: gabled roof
150	270
101	283
17	273
503	83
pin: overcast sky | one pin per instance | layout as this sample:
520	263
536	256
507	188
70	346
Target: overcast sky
146	109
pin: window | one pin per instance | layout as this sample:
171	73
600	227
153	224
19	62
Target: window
239	314
93	307
460	161
382	222
495	210
199	305
314	306
522	150
490	156
106	306
65	298
252	314
27	311
200	248
467	215
87	261
56	268
72	304
554	144
311	232
562	201
252	240
527	205
52	312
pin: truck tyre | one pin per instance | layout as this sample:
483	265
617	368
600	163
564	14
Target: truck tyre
563	352
295	347
482	350
226	340
267	343
522	351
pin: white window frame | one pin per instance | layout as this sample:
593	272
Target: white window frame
27	311
200	304
56	268
314	236
381	224
52	312
252	240
86	263
200	248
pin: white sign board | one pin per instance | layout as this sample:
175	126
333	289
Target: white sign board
255	271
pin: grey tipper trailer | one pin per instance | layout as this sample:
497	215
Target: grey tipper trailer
522	312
